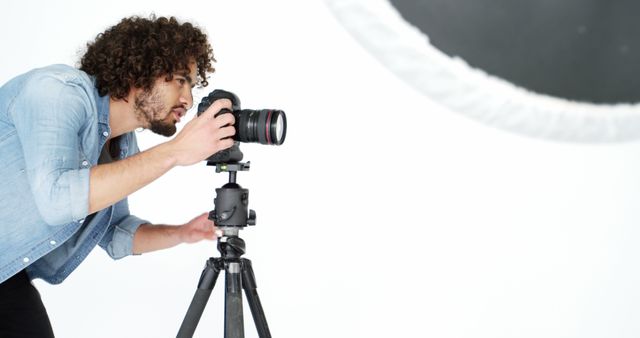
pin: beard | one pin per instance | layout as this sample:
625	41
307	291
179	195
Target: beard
149	108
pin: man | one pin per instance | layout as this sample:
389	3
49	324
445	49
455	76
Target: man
69	158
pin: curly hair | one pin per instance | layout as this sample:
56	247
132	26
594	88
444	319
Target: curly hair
137	51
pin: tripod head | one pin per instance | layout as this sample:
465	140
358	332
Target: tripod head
232	211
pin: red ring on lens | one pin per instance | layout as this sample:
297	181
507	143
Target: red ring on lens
267	127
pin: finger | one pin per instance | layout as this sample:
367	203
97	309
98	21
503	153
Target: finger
224	119
227	132
209	233
216	107
204	217
203	222
226	143
222	103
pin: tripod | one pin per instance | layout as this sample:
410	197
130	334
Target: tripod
230	215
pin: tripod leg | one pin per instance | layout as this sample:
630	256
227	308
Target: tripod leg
205	286
233	319
249	285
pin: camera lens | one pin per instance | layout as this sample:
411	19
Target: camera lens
266	126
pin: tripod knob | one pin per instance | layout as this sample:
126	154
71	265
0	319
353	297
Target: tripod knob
252	217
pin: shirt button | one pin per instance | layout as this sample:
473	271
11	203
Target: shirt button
85	163
26	259
105	133
53	243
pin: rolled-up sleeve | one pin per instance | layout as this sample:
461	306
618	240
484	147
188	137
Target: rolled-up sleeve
48	116
118	241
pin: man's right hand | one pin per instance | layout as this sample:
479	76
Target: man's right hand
204	135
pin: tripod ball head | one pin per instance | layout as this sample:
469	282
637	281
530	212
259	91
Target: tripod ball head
232	207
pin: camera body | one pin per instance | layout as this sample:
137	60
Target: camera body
264	126
216	95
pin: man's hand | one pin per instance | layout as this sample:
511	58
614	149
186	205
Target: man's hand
150	237
204	136
198	229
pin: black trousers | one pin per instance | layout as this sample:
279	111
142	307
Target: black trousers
22	313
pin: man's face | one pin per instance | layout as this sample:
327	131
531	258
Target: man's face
160	108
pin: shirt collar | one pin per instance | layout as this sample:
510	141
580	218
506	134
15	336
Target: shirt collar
103	110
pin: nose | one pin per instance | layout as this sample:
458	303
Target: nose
186	98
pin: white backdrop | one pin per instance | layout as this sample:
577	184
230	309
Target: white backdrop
383	214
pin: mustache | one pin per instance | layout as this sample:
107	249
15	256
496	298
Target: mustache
182	105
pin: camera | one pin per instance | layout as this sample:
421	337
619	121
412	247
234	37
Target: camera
264	126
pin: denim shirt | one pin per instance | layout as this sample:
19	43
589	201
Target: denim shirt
53	127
